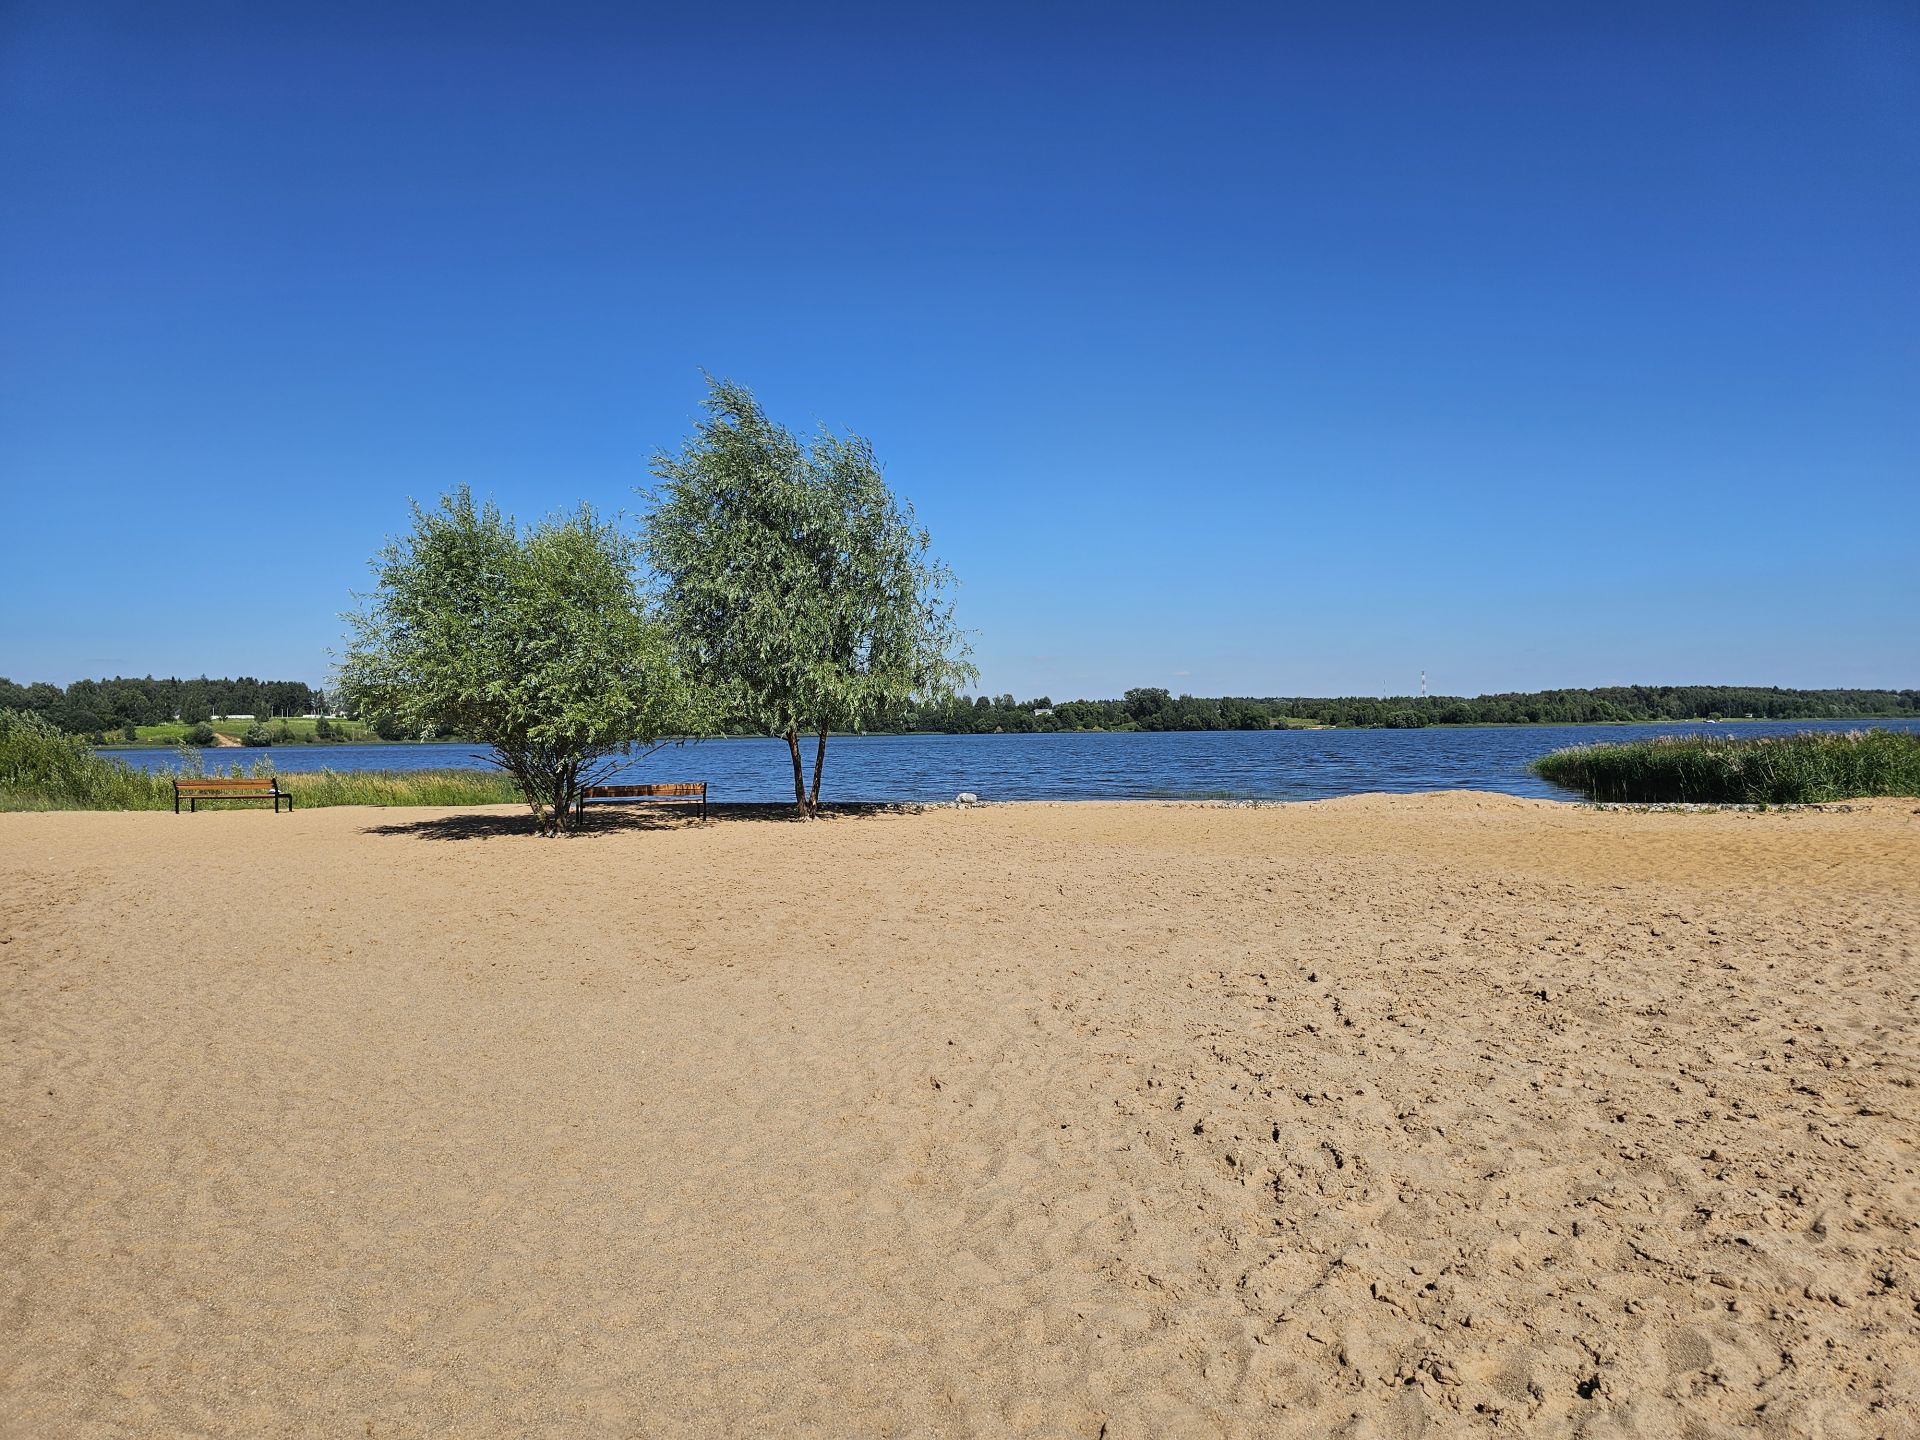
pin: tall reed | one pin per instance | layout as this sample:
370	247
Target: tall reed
401	787
43	769
1806	768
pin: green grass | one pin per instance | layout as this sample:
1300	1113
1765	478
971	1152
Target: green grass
42	769
1804	769
401	787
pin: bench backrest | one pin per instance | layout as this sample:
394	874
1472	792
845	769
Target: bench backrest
608	792
264	785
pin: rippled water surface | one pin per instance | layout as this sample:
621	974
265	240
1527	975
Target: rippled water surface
1254	764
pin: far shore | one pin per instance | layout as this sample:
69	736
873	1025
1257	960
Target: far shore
111	745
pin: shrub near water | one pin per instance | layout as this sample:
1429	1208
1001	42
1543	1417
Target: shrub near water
1802	769
43	769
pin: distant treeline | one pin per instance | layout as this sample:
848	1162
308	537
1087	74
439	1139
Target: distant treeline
97	707
1153	709
93	707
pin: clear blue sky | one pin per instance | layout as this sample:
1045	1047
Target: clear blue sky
1268	349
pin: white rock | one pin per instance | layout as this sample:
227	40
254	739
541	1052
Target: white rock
966	797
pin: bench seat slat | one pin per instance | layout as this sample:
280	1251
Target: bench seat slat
678	792
624	792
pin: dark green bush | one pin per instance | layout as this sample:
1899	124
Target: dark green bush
1807	768
200	734
43	769
257	734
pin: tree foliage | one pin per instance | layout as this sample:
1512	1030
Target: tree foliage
793	579
95	707
537	643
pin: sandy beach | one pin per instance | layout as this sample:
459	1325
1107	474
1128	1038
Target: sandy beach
1427	1115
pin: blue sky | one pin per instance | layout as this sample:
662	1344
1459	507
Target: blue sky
1268	349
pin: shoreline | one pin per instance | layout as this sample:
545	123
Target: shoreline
782	810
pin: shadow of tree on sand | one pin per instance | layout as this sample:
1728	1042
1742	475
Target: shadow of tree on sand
603	820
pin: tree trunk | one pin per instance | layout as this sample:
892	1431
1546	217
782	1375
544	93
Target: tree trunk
819	763
529	786
799	771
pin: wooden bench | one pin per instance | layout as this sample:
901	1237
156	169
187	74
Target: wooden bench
692	792
194	791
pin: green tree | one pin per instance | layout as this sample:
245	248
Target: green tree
793	577
537	643
1145	704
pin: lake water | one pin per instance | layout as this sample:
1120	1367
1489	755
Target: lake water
1240	764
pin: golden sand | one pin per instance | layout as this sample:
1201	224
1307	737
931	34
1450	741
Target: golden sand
1430	1115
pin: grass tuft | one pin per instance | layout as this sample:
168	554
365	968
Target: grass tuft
1804	769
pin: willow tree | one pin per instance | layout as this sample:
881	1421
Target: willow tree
795	581
538	643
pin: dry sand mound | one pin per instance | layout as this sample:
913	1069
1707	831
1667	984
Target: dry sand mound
1435	1115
